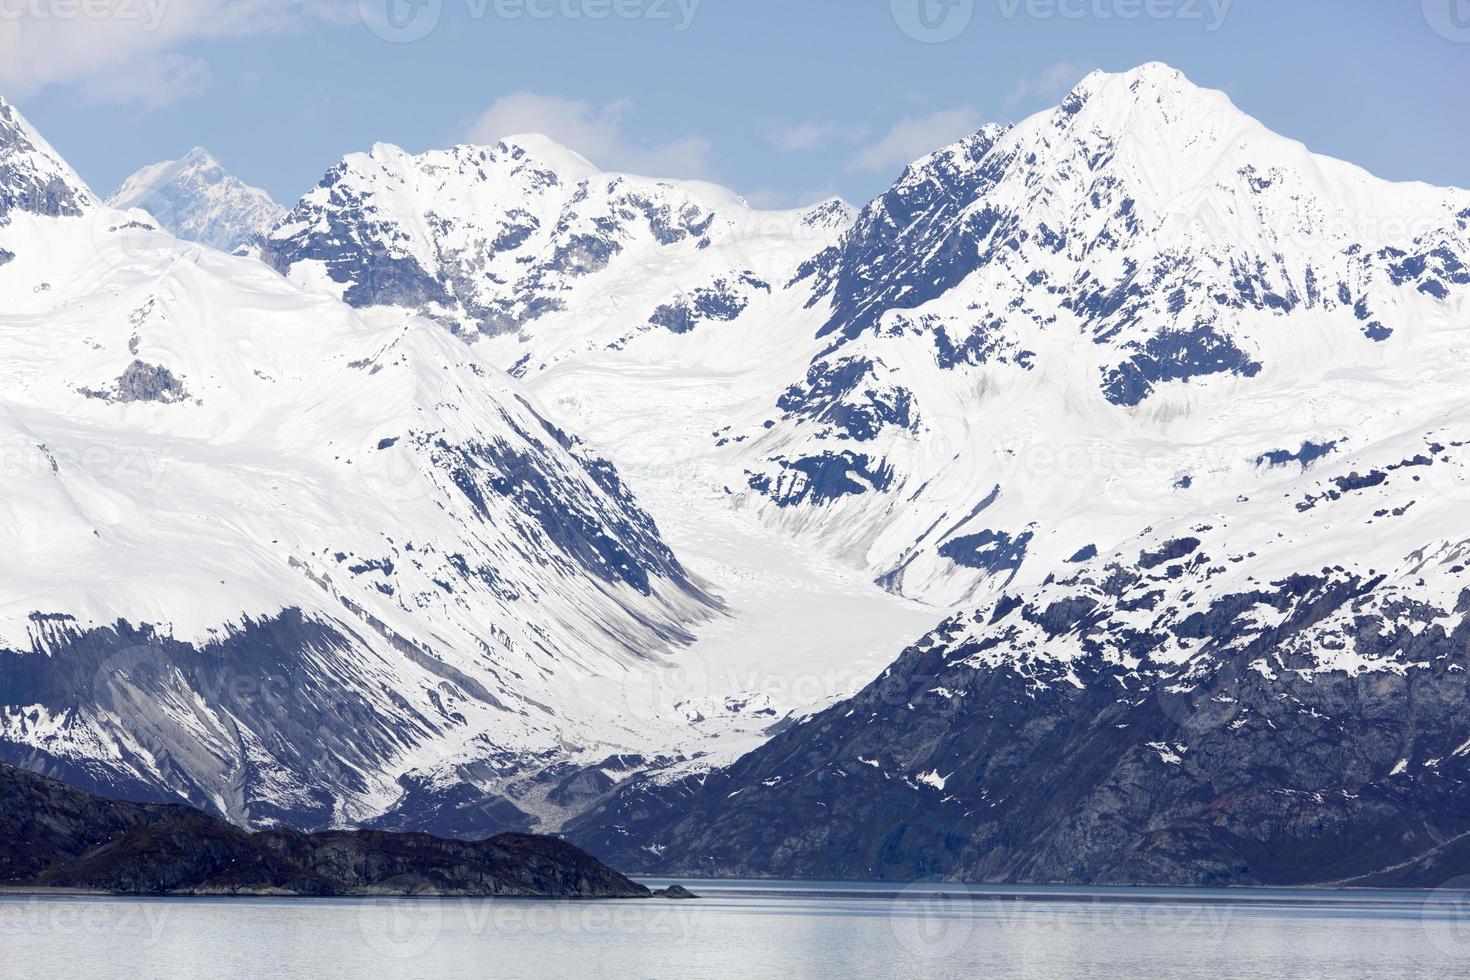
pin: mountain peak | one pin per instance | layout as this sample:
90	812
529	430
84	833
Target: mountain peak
1153	74
199	156
1153	91
33	176
549	152
195	198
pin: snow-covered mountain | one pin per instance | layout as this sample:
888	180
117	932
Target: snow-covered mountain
529	246
339	568
1094	276
285	563
1164	415
196	199
1193	402
1110	303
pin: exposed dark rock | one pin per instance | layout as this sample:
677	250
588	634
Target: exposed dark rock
1176	355
458	811
822	479
54	836
23	185
975	757
142	382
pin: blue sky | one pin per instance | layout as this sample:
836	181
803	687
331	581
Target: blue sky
784	100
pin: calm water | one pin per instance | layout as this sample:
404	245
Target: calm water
756	929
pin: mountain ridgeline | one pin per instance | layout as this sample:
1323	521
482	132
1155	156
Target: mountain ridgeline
328	561
1163	415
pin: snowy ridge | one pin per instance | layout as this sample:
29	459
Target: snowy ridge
1162	414
197	200
267	490
33	178
578	281
348	572
528	245
1139	273
1142	273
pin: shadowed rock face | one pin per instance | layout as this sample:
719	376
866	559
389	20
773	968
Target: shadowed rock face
974	757
54	836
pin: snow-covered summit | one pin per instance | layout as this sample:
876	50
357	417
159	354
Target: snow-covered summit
273	557
1143	269
1121	271
196	199
528	245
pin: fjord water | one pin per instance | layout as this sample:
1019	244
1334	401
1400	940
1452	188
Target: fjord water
757	929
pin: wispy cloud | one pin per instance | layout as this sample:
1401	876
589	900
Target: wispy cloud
128	51
148	83
1051	81
595	131
913	137
803	136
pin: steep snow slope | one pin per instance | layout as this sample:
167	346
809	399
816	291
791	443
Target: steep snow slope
271	557
1043	337
1193	401
196	199
1037	340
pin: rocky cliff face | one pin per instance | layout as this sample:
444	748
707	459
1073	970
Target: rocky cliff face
1176	710
988	772
30	179
57	837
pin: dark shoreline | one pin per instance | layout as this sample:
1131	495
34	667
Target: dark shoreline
53	836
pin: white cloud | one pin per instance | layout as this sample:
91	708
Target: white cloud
914	137
126	51
596	132
148	83
1050	81
804	136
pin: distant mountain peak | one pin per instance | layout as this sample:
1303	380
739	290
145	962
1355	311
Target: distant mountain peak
196	199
